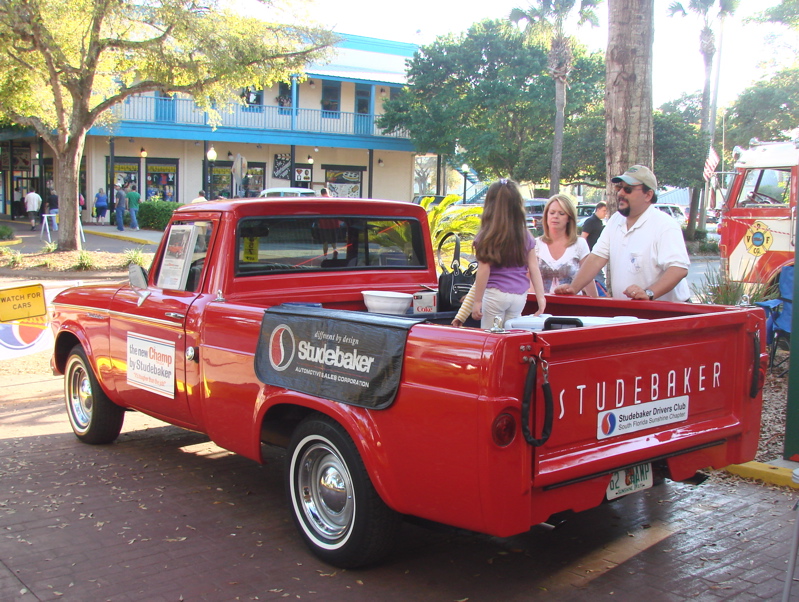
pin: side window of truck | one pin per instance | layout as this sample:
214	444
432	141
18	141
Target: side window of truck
184	257
764	187
307	243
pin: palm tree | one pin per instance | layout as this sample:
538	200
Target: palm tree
546	19
707	48
707	40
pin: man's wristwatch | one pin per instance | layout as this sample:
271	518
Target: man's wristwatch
650	294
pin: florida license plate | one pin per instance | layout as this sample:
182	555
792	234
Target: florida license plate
629	480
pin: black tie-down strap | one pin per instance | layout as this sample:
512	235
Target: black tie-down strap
527	400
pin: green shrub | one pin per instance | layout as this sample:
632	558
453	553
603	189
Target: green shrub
135	256
14	258
50	247
155	215
85	261
717	288
6	233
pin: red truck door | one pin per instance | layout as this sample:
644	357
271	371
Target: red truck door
151	328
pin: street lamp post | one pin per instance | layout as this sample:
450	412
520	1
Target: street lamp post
211	156
465	170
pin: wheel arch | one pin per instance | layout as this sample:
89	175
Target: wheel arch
279	421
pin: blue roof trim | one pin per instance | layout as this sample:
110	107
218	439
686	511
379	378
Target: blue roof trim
355	42
281	137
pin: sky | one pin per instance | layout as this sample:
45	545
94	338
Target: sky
748	50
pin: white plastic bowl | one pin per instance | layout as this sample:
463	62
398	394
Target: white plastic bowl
387	302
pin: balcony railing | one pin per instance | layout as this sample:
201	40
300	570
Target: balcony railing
183	111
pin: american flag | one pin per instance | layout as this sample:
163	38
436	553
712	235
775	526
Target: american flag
710	163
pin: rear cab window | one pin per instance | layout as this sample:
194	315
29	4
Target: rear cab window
308	243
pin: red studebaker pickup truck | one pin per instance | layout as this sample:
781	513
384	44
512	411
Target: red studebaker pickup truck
247	330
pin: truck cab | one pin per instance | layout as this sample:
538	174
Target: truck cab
758	219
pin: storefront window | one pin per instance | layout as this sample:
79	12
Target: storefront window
161	180
253	183
222	179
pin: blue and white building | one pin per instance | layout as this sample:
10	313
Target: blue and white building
315	131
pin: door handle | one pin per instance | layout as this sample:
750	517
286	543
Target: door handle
174	314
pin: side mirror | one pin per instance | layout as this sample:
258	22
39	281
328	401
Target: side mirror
137	276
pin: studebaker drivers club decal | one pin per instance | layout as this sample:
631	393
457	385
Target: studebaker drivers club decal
351	357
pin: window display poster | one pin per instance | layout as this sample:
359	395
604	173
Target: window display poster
161	182
344	184
178	257
126	173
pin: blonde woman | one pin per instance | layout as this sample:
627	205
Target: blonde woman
560	250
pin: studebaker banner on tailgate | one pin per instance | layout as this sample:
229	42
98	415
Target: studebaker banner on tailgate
351	357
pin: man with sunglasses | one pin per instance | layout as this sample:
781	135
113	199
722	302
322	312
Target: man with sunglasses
643	247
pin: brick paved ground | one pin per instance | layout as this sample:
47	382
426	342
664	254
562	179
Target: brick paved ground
165	515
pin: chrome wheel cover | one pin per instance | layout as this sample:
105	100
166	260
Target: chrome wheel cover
80	400
324	491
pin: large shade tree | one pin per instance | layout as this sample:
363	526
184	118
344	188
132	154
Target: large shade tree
768	110
628	87
485	98
546	19
66	63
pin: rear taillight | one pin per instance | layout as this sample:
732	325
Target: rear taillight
503	430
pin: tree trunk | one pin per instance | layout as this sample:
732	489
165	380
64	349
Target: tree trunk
66	170
628	88
557	142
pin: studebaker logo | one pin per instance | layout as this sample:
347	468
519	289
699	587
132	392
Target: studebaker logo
282	347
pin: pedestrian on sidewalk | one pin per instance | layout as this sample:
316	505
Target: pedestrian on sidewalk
33	202
17	208
52	208
121	200
100	207
133	206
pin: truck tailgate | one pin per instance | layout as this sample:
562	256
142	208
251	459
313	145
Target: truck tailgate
634	393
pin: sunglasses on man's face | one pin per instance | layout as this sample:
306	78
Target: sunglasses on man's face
626	189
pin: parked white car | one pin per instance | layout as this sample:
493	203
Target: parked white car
287	191
674	211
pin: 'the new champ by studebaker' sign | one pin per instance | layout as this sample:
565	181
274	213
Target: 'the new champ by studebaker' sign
351	357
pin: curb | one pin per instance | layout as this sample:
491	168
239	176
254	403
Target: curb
768	473
8	243
125	237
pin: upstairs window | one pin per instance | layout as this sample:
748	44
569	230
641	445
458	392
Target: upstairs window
331	99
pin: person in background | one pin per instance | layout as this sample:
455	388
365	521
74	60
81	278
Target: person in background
100	207
642	246
506	260
52	208
17	207
133	206
324	192
200	197
33	202
594	224
121	202
592	228
560	251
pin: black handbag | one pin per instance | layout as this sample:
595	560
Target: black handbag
453	284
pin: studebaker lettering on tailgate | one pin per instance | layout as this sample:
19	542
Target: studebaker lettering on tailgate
628	391
255	336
